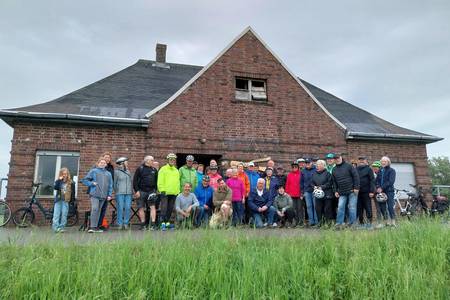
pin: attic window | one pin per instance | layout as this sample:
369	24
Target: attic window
250	89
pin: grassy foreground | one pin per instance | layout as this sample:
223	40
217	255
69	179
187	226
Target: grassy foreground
410	262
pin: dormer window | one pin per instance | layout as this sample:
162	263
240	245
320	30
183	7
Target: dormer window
250	89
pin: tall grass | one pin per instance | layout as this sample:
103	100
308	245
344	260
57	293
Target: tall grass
410	262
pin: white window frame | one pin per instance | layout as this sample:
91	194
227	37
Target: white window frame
58	155
249	91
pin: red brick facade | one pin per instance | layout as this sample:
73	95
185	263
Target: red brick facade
290	124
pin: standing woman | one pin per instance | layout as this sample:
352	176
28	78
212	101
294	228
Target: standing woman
123	189
65	193
322	180
100	186
385	184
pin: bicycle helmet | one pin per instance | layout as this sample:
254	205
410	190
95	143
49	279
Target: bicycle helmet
121	160
318	193
381	197
171	155
376	164
152	197
189	158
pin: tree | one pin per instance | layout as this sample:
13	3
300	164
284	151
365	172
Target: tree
439	170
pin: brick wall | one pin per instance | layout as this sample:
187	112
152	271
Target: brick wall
90	142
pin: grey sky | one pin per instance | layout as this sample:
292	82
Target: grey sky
391	58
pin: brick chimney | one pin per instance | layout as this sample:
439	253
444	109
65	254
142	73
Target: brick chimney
161	53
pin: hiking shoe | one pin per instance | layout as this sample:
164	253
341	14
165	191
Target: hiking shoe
98	230
163	226
61	230
274	225
379	226
91	230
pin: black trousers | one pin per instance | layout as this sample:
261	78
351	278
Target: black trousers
166	207
334	206
324	209
289	216
364	205
299	210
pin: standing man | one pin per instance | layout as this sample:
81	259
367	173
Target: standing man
144	184
271	184
281	176
307	189
253	176
188	173
331	163
110	168
366	191
346	183
169	187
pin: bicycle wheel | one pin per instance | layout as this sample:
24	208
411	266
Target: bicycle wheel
5	213
72	219
23	217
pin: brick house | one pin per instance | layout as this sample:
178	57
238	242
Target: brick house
244	104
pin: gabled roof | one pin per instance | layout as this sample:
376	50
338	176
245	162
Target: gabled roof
129	97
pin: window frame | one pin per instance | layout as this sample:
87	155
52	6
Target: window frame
249	90
59	155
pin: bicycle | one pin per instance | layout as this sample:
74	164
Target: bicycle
414	203
25	216
5	213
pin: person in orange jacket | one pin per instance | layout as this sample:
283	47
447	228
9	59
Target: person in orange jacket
242	176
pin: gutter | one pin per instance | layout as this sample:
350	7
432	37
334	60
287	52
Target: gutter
9	115
393	137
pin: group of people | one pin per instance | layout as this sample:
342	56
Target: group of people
315	192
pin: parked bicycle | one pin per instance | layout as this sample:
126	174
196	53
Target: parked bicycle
5	213
414	204
25	216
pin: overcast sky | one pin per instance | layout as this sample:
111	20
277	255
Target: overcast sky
391	58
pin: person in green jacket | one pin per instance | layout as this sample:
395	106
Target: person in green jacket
330	162
169	188
188	174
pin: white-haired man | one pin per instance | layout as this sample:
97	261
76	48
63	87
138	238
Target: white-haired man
144	184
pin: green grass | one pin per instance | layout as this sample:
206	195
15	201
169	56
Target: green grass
410	262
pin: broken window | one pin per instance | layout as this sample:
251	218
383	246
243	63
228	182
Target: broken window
250	89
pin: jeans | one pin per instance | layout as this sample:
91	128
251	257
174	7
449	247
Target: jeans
96	205
390	204
202	215
269	213
238	212
123	209
60	212
344	200
311	208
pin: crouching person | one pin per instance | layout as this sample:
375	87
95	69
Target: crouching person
186	206
65	193
222	204
261	206
204	194
100	186
284	206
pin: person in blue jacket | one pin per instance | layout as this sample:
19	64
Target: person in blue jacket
261	206
204	193
385	184
307	189
100	187
253	176
271	184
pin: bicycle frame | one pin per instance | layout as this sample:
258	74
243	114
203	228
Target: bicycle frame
35	201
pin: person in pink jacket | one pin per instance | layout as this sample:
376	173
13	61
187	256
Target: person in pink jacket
213	177
237	197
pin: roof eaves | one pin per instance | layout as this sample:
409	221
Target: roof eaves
74	117
393	137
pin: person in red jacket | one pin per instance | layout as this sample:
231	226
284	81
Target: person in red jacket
293	190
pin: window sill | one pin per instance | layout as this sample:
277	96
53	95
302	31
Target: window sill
252	102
